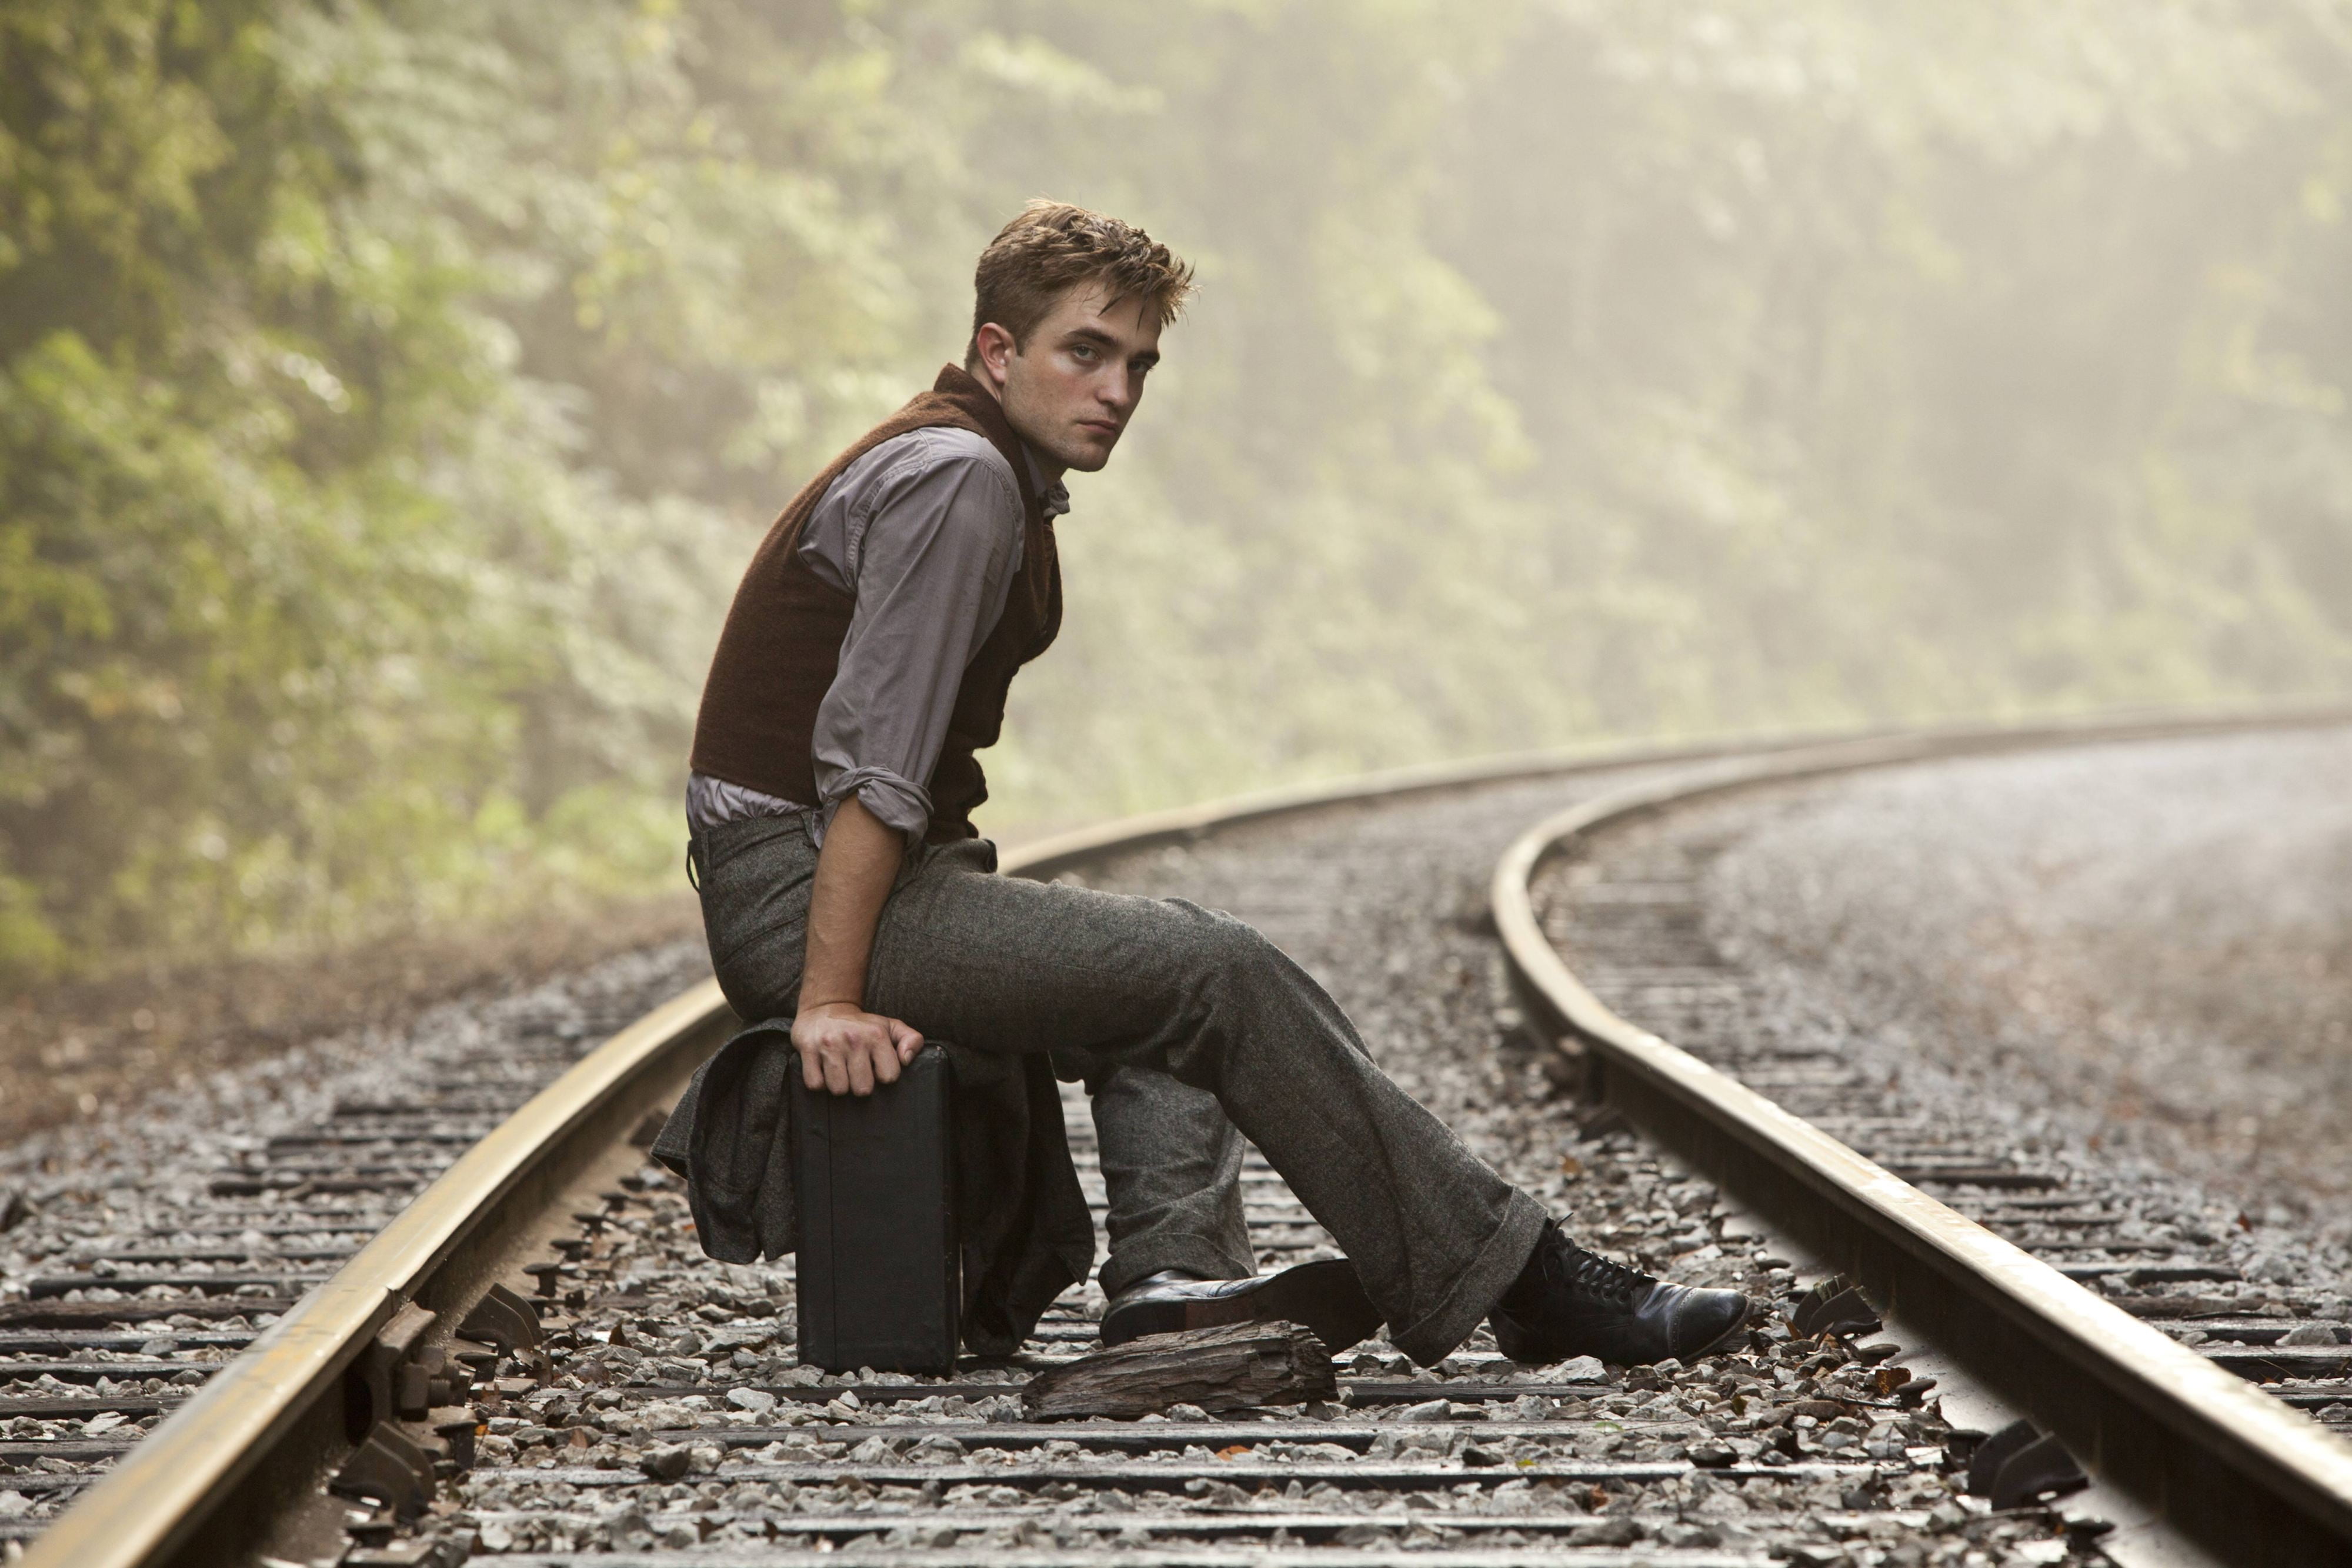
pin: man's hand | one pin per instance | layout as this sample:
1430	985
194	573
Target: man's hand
844	1050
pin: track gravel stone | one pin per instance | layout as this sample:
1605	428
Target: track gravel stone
144	1250
2152	942
2092	997
677	1427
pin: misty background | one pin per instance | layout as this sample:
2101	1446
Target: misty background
391	395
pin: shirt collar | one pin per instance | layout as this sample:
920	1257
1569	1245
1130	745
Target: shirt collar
1053	495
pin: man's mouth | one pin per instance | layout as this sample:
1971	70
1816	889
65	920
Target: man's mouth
1100	426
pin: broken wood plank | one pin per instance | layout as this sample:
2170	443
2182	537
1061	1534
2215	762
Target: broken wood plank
1234	1366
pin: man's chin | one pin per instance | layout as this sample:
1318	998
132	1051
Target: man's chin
1069	445
1084	457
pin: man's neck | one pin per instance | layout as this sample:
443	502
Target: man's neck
1050	470
1043	472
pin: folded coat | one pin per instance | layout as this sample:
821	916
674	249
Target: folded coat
1026	1235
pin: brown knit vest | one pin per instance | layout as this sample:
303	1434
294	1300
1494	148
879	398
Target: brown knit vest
782	639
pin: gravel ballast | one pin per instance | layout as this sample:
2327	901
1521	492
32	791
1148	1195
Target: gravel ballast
2068	993
2147	947
677	1426
674	1425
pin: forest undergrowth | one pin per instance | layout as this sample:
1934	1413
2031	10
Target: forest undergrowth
392	391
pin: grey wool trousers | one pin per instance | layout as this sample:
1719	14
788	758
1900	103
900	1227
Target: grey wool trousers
1188	1026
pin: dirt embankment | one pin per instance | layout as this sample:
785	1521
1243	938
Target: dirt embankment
68	1051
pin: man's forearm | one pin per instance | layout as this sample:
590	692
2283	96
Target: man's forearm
844	1047
853	873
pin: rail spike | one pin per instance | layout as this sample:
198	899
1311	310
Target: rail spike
391	1470
505	1319
2020	1465
1836	1307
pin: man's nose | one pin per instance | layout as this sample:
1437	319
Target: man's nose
1116	392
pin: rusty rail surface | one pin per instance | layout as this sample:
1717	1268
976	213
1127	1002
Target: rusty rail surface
260	1436
2232	1467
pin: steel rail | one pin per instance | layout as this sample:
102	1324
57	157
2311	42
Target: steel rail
266	1428
195	1486
2232	1467
271	1399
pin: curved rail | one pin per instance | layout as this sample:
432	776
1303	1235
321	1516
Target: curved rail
2227	1464
267	1426
269	1400
193	1489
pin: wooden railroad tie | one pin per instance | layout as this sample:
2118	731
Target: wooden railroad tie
1234	1366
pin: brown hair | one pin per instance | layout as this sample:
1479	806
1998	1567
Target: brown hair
1053	245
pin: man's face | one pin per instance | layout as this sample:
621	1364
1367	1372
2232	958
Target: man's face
1072	388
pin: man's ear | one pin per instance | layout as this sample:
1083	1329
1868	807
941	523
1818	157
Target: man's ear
994	347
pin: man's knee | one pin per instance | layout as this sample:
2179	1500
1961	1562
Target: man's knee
1219	947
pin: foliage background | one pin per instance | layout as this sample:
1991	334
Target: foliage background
392	390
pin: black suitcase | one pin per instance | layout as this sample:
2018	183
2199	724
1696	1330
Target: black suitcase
878	1282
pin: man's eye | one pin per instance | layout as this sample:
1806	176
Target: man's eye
1083	350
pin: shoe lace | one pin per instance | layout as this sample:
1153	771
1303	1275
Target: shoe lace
1600	1276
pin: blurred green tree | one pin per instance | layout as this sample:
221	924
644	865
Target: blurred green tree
392	390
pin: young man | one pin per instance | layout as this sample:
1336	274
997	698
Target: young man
863	662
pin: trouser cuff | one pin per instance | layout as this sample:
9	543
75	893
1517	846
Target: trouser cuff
1150	1255
1500	1261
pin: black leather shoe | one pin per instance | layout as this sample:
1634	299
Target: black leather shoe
1570	1302
1326	1298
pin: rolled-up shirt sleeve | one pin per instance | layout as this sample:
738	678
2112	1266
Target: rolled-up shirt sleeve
932	542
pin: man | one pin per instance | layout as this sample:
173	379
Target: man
863	662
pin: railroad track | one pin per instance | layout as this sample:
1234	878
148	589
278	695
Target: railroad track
535	1343
2120	1325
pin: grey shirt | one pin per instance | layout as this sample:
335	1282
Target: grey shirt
924	532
